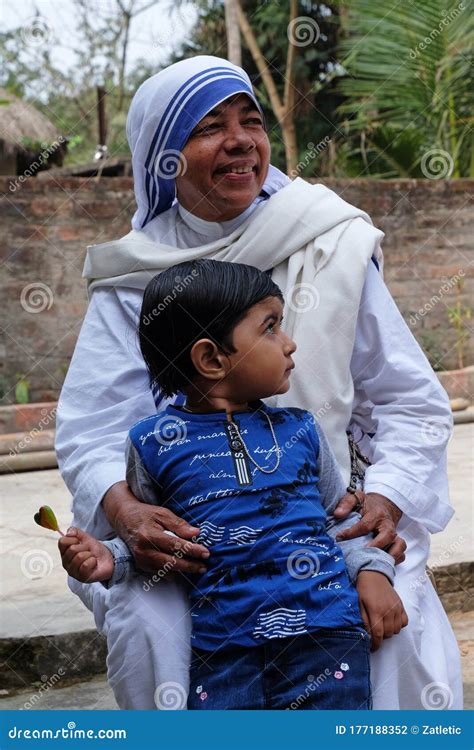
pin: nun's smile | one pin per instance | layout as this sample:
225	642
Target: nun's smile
226	157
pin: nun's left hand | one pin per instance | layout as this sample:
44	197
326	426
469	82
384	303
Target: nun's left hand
379	517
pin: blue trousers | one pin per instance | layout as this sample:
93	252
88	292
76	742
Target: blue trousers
324	669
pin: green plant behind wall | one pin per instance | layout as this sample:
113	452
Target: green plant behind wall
22	390
409	88
458	317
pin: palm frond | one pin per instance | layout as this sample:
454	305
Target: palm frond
409	68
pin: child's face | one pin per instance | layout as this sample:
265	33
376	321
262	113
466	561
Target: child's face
262	364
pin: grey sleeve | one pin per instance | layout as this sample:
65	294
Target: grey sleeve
331	487
123	561
143	486
145	489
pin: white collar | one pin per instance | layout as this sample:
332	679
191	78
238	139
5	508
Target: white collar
214	230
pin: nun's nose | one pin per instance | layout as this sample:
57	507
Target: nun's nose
238	137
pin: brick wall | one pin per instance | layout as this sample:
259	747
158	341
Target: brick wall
48	222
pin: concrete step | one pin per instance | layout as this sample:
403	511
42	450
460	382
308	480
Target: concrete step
29	461
465	416
16	443
58	690
80	654
40	618
87	695
95	693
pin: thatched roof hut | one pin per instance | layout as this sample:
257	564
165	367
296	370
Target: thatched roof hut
28	140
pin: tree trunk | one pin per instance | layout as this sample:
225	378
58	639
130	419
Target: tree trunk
123	61
291	146
234	49
283	110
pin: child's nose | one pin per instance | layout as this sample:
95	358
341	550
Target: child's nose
290	345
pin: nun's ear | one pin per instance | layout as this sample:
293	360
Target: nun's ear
208	360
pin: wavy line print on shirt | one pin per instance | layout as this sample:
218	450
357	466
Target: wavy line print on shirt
210	533
243	535
280	623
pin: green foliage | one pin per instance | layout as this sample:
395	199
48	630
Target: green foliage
409	89
431	345
384	87
459	318
4	388
22	391
69	97
316	101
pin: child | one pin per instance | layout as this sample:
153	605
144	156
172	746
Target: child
276	606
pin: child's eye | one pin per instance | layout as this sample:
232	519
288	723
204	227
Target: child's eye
272	326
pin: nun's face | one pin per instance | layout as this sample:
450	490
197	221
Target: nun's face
227	157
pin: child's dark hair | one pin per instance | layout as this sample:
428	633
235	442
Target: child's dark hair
194	300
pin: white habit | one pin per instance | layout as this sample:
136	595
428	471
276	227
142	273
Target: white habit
395	395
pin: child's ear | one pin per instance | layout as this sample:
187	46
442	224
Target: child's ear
209	360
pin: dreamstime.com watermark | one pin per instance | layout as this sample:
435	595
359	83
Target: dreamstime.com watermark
437	696
170	696
303	31
46	419
313	684
433	301
303	297
449	16
437	164
36	164
162	572
303	563
167	568
36	32
67	733
48	682
169	430
36	563
314	149
441	559
36	297
181	284
301	431
435	430
170	164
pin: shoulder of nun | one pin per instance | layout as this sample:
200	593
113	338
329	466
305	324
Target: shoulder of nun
134	235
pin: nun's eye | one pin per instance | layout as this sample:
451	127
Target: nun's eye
207	128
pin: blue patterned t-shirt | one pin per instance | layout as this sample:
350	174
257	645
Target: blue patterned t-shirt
274	569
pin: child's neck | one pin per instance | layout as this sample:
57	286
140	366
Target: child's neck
200	404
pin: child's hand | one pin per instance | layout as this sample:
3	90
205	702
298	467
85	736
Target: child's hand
381	608
84	557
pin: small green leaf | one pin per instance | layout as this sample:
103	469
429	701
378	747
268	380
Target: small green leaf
46	518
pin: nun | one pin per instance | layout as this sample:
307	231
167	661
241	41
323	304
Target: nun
205	188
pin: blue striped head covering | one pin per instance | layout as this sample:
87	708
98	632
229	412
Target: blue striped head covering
163	113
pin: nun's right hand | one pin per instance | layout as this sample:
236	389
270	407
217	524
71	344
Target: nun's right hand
160	541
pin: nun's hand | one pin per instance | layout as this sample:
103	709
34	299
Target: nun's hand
160	541
379	517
